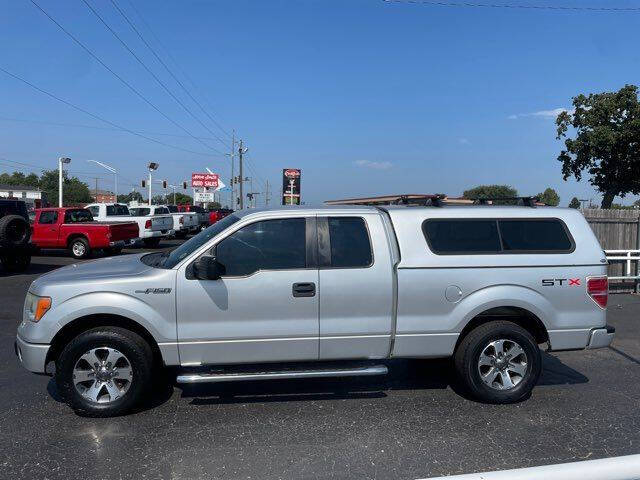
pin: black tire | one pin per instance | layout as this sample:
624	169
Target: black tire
181	235
136	350
467	357
14	231
79	248
16	262
113	250
151	242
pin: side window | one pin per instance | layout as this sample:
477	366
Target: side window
111	210
350	244
265	245
543	235
94	210
462	236
48	217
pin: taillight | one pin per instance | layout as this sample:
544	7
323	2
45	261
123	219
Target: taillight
181	220
598	290
147	224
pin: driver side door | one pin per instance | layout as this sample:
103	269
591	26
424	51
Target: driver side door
264	308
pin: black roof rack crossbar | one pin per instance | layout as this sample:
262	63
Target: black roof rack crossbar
429	201
524	201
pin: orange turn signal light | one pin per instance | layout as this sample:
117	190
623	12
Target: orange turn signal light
44	304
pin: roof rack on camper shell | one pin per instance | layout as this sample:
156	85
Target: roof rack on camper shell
433	200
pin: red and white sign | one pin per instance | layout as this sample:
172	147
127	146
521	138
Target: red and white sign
292	173
199	180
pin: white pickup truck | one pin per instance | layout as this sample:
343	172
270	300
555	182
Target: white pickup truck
152	228
183	222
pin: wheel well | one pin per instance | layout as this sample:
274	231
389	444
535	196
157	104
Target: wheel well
73	237
82	324
517	315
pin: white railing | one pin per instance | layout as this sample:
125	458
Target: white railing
627	256
616	468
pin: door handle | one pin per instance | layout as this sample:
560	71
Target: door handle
304	289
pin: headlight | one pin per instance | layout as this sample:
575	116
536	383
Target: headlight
35	307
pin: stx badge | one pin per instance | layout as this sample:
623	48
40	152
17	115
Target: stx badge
154	290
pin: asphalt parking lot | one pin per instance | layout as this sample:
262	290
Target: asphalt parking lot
410	424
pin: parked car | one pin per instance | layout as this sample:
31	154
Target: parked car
151	229
218	214
15	249
183	222
74	229
287	293
203	217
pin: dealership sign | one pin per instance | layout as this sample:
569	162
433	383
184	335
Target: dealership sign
291	186
199	180
203	197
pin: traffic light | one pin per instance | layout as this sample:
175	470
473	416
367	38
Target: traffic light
164	184
184	185
143	183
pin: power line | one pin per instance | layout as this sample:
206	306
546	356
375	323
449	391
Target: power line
97	117
95	127
122	80
155	77
529	7
184	73
113	2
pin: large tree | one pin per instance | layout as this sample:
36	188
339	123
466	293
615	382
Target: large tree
491	191
606	143
74	191
549	197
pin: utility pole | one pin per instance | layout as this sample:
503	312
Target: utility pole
266	195
232	155
240	153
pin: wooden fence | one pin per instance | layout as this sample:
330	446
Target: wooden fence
616	230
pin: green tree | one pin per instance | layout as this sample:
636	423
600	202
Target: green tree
74	191
574	203
19	178
549	197
491	191
130	197
606	144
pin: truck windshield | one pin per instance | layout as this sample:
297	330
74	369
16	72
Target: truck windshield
78	216
170	260
139	212
161	211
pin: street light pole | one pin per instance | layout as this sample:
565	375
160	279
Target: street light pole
61	161
152	166
115	176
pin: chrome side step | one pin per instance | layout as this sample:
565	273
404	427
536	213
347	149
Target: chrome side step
283	374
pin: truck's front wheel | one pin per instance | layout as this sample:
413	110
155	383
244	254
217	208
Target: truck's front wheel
498	362
103	372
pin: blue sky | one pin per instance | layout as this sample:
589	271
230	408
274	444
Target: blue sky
366	97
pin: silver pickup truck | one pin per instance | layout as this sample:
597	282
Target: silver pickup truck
285	293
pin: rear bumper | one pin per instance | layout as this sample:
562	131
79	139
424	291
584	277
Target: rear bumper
32	356
123	243
601	337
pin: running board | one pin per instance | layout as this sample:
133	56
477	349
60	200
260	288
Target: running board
284	374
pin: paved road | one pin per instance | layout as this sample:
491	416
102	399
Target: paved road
411	424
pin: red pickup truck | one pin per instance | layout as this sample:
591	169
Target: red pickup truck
75	230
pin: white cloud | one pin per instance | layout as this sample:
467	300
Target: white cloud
550	114
463	141
374	165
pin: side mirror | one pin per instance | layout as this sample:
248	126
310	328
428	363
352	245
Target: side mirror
208	268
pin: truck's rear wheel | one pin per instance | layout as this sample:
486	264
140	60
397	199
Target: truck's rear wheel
79	248
103	372
498	362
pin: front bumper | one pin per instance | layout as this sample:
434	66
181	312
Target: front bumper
32	356
601	337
